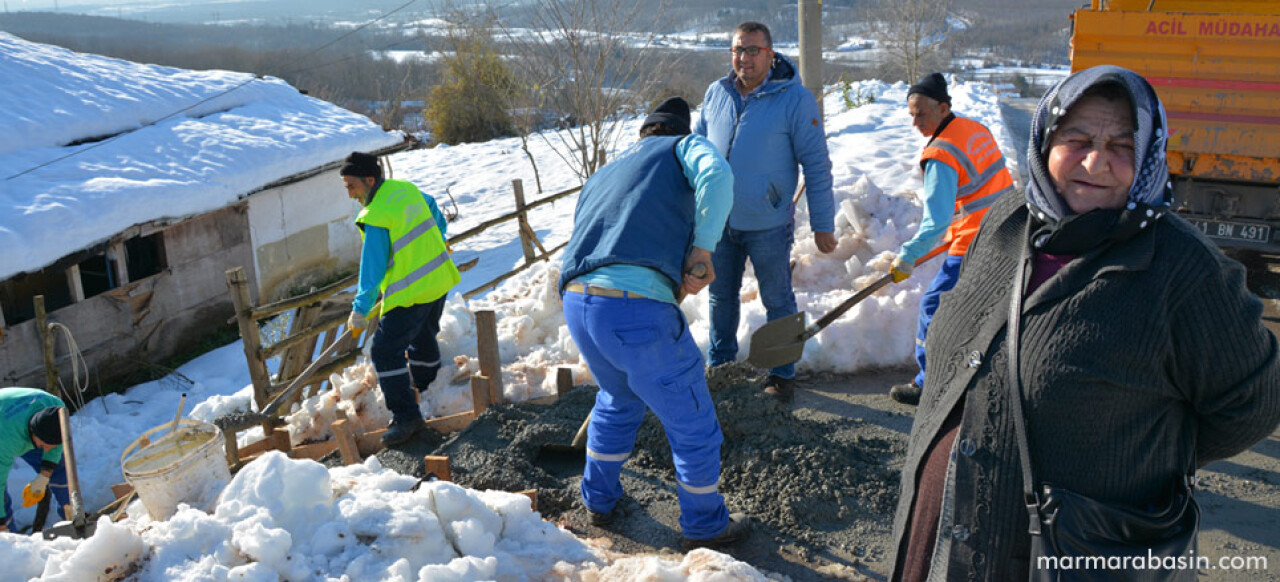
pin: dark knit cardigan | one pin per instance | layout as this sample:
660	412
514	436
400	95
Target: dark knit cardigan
1135	360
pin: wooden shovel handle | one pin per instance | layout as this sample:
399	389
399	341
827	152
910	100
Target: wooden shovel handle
69	459
848	304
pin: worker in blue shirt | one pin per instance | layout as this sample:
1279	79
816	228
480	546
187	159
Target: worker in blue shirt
643	225
404	257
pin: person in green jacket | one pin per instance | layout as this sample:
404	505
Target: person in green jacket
403	256
29	429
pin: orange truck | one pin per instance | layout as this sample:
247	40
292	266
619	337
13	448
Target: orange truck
1216	67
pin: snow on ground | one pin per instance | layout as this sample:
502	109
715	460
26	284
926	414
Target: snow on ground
370	523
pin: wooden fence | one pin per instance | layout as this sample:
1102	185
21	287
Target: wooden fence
529	243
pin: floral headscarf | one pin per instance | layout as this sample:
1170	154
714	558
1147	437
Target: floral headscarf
1151	192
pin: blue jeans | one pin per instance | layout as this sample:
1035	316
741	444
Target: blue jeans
57	486
405	354
770	254
641	354
943	282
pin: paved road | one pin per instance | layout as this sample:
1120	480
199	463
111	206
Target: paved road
1239	497
1017	116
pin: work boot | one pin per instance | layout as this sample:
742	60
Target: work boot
600	519
908	393
781	388
400	432
739	529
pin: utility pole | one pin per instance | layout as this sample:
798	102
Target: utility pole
811	47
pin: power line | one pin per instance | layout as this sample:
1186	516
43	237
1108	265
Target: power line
348	33
116	136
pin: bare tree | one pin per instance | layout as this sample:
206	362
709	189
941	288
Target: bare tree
911	33
588	61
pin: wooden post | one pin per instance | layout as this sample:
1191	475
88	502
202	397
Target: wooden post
280	438
295	359
437	467
326	339
46	346
119	259
75	283
479	394
564	380
258	374
233	449
487	346
532	494
346	442
522	220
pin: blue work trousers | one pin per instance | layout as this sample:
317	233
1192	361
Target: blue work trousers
57	486
641	354
942	282
406	355
770	254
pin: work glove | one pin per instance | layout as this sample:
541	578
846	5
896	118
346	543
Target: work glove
900	270
34	491
357	322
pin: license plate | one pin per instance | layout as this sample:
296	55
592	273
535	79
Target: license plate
1238	231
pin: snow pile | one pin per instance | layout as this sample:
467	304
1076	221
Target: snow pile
285	519
354	392
697	566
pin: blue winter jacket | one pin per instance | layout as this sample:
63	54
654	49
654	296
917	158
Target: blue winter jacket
766	136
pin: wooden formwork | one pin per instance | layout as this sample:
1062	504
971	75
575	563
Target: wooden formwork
353	445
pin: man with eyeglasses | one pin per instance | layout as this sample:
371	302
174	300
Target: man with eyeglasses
767	124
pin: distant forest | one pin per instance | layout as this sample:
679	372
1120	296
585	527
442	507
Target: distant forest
347	73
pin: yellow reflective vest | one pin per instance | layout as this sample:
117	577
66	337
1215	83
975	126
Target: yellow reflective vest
420	270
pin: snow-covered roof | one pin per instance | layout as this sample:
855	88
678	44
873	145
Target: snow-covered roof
93	145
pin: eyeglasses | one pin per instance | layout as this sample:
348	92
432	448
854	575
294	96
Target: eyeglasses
750	51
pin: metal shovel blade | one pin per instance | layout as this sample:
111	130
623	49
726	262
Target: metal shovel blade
778	342
69	529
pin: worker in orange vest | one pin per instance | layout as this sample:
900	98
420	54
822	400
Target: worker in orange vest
964	173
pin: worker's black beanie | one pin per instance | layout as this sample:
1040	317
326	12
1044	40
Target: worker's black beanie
673	112
933	86
361	165
44	424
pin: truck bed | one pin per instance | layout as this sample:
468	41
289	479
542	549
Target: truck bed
1218	74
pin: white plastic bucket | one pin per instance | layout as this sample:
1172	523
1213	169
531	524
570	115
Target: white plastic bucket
188	466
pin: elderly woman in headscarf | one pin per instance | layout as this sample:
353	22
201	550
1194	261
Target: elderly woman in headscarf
1141	355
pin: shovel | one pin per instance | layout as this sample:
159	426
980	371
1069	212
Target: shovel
79	527
285	395
556	453
781	341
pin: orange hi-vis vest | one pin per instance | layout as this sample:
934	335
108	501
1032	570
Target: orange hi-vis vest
971	151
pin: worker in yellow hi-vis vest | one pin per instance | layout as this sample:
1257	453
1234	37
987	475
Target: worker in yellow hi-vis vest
404	258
